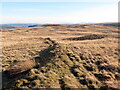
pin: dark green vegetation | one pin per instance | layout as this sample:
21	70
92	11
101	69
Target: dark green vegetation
87	37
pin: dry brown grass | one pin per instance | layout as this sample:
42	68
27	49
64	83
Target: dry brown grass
64	63
21	66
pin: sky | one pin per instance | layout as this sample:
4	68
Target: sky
69	12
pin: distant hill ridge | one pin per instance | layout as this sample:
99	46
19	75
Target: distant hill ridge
10	26
46	25
105	24
110	24
5	26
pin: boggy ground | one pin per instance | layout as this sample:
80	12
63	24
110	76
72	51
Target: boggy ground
63	56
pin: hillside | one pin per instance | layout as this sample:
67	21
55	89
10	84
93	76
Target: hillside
61	56
5	26
16	25
110	24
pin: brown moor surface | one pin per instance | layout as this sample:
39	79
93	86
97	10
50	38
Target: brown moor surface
65	56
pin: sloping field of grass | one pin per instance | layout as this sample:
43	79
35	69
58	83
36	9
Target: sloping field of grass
63	56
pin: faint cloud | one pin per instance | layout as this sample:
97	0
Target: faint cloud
102	14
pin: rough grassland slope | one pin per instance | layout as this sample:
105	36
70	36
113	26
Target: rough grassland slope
74	56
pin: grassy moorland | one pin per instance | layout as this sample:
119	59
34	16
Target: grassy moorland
61	56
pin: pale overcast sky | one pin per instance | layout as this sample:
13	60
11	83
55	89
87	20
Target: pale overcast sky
50	11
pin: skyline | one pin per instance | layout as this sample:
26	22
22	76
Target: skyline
59	12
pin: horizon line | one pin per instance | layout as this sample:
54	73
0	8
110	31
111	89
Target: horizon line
46	23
